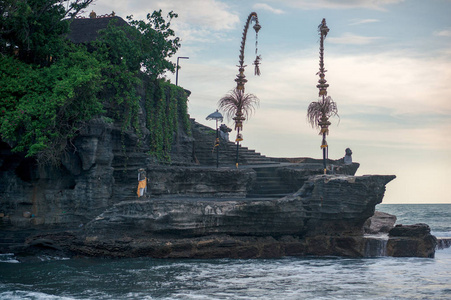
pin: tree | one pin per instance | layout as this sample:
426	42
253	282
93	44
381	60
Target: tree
157	42
41	108
44	101
141	48
34	30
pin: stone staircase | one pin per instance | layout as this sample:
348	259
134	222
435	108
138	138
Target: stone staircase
269	184
125	164
206	154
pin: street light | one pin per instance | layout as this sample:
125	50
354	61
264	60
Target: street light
177	70
218	118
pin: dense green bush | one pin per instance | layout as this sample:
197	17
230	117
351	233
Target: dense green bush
44	101
34	29
43	107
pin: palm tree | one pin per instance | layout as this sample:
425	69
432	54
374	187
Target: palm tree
238	106
319	112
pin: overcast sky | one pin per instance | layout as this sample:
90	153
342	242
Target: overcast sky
389	70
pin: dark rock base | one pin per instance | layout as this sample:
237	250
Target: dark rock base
215	246
411	241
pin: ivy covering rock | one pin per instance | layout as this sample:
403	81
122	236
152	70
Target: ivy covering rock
48	95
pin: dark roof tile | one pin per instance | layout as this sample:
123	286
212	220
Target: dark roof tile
86	30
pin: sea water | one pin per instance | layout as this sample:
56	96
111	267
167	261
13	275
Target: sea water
284	278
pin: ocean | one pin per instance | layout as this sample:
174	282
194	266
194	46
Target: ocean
284	278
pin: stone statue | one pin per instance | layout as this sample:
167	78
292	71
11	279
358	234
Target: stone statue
348	157
224	132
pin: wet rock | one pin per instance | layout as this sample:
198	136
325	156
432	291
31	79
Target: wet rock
380	222
443	243
411	241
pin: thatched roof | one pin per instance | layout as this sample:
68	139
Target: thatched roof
86	30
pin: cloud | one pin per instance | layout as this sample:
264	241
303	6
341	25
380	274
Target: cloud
341	4
199	23
352	39
363	21
446	33
211	14
403	84
387	100
195	21
266	7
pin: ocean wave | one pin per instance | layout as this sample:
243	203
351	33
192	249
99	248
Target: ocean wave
19	295
441	234
8	258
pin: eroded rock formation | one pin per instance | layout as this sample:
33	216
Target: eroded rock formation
325	217
89	206
379	223
411	241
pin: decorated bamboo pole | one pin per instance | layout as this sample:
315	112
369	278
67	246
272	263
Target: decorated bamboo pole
320	111
322	86
241	78
236	104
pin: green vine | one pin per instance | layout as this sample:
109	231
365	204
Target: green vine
166	104
47	99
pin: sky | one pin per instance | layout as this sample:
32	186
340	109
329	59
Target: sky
388	68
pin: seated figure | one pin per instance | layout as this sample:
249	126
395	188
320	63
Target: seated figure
348	157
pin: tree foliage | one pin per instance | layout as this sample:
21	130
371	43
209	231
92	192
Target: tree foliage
33	29
157	42
43	107
49	87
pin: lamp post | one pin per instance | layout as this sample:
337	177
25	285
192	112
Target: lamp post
177	70
217	116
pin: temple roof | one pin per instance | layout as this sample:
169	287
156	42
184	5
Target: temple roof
86	30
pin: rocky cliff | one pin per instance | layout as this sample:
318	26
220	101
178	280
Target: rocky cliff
266	208
325	217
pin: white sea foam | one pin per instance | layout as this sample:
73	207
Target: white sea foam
20	295
8	258
286	278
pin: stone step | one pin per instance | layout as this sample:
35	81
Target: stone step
271	192
268	184
233	153
204	142
267	195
